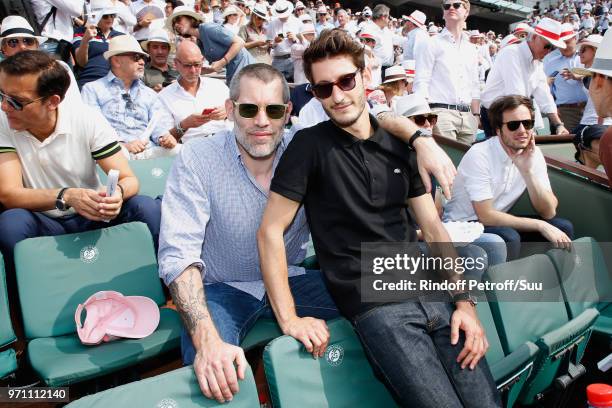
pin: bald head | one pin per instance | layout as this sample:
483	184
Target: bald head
189	61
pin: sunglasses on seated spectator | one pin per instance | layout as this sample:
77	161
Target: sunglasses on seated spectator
456	6
109	16
514	124
325	89
134	55
250	110
419	120
14	103
549	46
14	42
192	65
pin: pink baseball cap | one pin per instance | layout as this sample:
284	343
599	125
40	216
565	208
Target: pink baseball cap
110	315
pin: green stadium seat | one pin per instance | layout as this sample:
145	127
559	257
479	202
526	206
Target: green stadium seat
151	173
8	360
586	281
342	378
175	389
264	331
509	371
546	323
55	274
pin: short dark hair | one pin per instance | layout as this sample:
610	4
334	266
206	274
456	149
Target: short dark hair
53	79
332	43
266	73
503	104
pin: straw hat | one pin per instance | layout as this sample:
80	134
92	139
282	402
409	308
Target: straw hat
550	30
17	26
282	8
261	11
158	35
182	11
602	64
368	33
509	40
394	73
305	17
122	44
307	28
417	18
411	105
567	31
409	67
230	10
523	27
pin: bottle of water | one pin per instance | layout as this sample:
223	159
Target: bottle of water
599	396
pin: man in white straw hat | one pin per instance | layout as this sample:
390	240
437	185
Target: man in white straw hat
17	35
416	33
518	70
322	20
282	31
568	93
447	75
158	73
131	107
600	89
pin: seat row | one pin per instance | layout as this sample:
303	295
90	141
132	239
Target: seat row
532	344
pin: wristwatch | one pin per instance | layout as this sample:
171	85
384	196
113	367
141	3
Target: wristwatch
179	130
60	204
464	297
422	132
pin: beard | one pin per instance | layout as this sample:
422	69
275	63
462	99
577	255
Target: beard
258	150
345	121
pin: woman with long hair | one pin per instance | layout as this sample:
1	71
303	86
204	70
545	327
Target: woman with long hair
254	35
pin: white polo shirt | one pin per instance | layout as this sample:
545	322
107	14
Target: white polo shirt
487	172
178	104
67	158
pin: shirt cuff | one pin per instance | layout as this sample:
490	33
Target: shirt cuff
169	272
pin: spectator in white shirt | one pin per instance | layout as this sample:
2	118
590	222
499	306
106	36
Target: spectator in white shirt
447	76
416	34
495	173
384	37
307	34
518	70
283	31
231	19
193	105
125	20
58	27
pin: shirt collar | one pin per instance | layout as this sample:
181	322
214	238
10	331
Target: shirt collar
499	151
112	79
348	140
447	34
62	125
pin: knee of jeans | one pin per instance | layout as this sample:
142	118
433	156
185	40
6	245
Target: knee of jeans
143	208
15	225
509	234
566	226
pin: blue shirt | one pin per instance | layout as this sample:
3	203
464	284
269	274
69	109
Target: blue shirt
564	91
211	211
325	26
96	66
216	41
128	112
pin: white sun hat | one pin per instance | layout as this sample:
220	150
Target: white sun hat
122	44
550	30
602	64
282	8
411	105
17	26
567	31
182	11
417	18
158	35
394	73
409	67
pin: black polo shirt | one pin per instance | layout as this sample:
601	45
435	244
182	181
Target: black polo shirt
353	191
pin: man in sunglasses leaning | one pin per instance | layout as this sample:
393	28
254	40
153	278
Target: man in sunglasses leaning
18	35
493	175
131	107
518	70
213	203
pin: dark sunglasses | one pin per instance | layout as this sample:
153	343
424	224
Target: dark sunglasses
456	6
346	83
420	119
549	46
27	41
14	103
250	110
109	16
134	55
192	65
514	124
129	103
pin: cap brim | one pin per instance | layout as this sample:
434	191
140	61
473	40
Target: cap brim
187	13
606	72
109	54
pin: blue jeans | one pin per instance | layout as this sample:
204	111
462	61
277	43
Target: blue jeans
494	246
408	345
235	312
513	238
18	224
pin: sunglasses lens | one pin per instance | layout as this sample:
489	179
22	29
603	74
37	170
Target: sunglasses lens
248	110
419	120
347	83
12	102
457	6
528	124
275	111
323	91
446	6
433	119
514	125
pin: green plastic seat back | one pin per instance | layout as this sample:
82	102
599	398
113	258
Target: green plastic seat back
175	389
343	377
7	335
264	331
585	279
55	274
521	321
495	352
151	173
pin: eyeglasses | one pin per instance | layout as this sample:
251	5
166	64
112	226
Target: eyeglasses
27	41
134	55
129	103
456	6
420	119
250	110
514	124
192	65
109	16
14	103
346	83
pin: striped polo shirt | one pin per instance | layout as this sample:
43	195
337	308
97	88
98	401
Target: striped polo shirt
67	158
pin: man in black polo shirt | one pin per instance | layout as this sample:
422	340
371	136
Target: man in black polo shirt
355	179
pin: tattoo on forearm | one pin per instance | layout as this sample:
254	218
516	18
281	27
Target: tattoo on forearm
190	302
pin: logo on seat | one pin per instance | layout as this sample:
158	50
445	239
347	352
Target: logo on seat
167	403
157	172
334	355
89	254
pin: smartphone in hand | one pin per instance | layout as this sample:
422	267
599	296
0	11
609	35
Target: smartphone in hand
208	111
